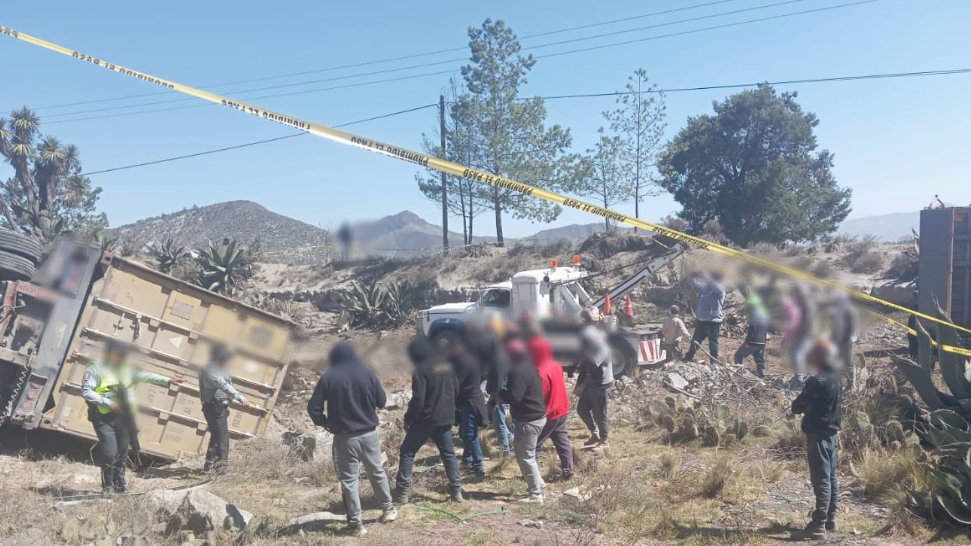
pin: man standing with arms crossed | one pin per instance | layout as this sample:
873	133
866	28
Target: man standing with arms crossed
352	394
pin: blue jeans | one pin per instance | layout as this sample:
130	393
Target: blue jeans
821	449
416	437
503	434
469	433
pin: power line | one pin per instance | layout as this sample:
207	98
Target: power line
447	61
248	144
831	79
399	58
428	74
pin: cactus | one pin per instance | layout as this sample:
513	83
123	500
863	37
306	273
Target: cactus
761	431
729	440
741	430
689	428
669	424
947	432
167	255
711	437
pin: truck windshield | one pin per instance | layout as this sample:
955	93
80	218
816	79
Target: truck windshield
495	298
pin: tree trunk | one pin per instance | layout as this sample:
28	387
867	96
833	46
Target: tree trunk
497	205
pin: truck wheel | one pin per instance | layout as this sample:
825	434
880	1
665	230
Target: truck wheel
12	242
14	267
624	358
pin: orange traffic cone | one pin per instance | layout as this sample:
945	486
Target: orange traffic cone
629	306
608	308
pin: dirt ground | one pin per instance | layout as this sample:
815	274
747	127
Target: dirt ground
645	488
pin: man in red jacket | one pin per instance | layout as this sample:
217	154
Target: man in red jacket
557	403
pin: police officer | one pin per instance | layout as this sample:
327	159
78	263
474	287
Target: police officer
216	391
109	389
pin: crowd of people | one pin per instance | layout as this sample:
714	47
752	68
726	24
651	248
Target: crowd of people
500	375
796	314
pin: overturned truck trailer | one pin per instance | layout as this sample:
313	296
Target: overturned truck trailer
54	324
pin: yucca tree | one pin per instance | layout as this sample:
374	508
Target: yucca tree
167	255
223	267
47	196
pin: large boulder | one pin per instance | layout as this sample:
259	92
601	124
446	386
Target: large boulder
312	446
201	512
156	508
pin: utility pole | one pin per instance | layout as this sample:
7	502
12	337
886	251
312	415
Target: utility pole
441	130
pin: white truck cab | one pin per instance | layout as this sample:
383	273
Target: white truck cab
543	293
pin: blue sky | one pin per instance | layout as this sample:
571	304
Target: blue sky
897	142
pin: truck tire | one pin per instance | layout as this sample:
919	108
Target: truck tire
14	267
624	357
12	242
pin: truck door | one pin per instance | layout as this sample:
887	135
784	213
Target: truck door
496	300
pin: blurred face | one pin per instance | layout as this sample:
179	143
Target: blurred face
115	358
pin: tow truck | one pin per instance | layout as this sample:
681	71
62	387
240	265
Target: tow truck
555	297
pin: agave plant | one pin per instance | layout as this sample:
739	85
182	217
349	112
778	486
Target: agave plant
364	304
222	268
946	432
399	302
167	255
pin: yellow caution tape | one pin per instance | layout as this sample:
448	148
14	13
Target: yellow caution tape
913	332
469	173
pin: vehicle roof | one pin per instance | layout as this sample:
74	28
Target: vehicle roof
559	274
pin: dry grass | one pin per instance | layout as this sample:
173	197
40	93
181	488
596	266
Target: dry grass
886	475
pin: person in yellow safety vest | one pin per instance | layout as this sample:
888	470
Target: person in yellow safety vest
108	388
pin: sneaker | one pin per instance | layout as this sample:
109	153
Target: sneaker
831	526
477	473
456	496
107	492
400	497
532	499
814	530
594	439
389	515
121	491
566	476
354	530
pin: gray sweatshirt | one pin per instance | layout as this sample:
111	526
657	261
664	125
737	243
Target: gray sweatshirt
216	385
711	298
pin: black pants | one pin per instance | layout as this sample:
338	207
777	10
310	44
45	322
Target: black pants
217	418
113	439
705	330
416	437
592	409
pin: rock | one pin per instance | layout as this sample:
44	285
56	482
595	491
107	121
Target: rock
575	493
84	479
156	507
397	399
531	523
316	521
675	380
313	446
202	512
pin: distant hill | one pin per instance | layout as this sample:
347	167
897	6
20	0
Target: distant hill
886	227
244	221
401	235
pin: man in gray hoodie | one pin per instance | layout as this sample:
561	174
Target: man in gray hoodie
711	299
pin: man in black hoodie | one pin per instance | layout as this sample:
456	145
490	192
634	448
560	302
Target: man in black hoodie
470	403
524	394
820	404
430	415
352	394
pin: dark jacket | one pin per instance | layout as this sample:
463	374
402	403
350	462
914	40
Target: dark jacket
493	360
351	392
758	330
468	378
433	386
821	402
524	392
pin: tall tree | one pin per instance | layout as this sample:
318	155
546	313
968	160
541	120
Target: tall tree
47	196
754	167
639	121
464	197
603	177
512	139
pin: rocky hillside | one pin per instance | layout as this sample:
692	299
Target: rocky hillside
245	221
